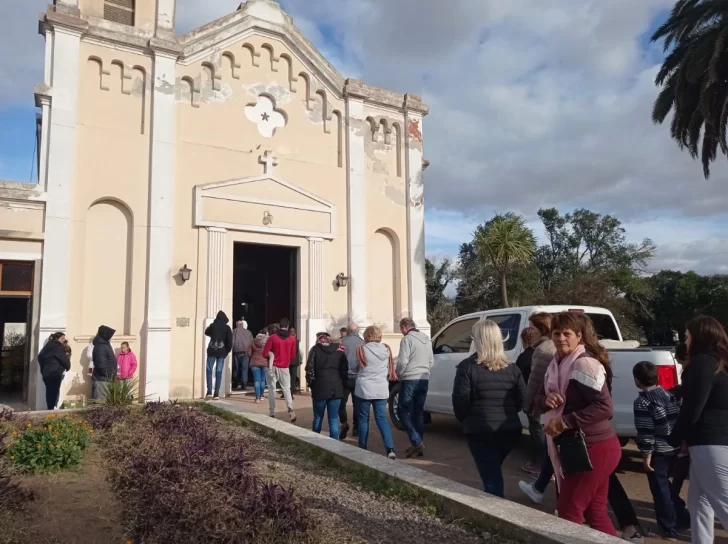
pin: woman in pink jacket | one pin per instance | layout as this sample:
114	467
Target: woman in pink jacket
127	362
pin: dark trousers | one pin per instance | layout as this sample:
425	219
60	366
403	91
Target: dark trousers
489	450
537	439
547	472
349	392
295	380
53	390
680	471
620	503
659	480
241	369
411	407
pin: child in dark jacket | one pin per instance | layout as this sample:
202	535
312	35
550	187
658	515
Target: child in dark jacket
655	414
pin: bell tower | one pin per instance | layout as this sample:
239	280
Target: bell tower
149	15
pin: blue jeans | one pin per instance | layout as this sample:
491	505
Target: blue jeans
659	481
219	364
259	380
241	365
489	450
411	407
331	407
363	407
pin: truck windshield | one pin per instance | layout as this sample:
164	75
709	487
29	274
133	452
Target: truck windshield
605	327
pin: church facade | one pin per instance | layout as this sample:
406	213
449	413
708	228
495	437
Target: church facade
230	168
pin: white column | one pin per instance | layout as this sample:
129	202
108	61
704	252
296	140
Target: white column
416	221
60	170
316	322
356	155
160	268
215	270
45	125
216	239
165	17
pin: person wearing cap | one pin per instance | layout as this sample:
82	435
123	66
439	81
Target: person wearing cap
326	374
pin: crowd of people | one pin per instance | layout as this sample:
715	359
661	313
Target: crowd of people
562	381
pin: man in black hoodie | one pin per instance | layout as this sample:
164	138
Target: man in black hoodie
54	362
105	365
221	344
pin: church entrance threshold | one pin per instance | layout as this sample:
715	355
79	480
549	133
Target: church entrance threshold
265	282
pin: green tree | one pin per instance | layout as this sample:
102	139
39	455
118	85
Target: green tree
694	77
440	308
503	243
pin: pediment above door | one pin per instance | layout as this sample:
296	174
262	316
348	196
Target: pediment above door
264	204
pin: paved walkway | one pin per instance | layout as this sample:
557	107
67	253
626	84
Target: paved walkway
447	455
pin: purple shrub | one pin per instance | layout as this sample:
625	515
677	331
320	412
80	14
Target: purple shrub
105	417
183	477
7	414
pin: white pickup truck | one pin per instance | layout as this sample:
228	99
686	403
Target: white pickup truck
454	343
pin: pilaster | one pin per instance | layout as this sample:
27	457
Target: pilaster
165	17
414	165
160	268
356	203
215	270
316	322
59	168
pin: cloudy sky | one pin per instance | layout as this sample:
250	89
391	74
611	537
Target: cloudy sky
533	104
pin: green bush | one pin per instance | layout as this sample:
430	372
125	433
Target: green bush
120	392
55	444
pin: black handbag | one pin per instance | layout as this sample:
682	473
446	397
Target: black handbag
572	452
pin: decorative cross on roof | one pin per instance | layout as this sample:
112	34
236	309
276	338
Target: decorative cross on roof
269	162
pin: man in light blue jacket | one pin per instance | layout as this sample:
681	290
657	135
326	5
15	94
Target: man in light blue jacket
413	370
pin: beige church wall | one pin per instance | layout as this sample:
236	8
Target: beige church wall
19	247
109	205
386	217
231	211
15	218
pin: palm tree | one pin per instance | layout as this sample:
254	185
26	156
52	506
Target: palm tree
503	242
694	77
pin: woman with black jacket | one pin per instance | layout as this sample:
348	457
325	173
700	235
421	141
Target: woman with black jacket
326	374
487	396
703	425
54	362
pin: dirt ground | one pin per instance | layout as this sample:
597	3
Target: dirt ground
447	455
75	507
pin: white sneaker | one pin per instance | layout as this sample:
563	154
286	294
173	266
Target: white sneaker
635	538
528	489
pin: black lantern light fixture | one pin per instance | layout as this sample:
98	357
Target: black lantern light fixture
342	280
185	273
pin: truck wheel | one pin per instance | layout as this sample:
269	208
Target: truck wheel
393	412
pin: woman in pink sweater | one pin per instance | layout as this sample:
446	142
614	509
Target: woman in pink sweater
127	362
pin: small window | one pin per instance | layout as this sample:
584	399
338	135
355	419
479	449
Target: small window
456	338
119	11
16	278
604	326
510	326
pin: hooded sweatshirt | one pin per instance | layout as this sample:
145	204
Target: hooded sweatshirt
221	337
351	343
326	372
105	365
283	347
372	382
655	414
53	360
256	352
415	356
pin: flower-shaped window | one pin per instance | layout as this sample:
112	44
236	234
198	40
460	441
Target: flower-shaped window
266	116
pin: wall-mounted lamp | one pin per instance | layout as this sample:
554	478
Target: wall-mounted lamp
267	218
185	272
342	280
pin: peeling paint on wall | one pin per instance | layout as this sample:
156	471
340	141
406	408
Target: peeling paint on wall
315	114
394	195
414	130
280	94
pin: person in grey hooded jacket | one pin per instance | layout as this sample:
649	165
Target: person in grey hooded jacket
413	369
350	344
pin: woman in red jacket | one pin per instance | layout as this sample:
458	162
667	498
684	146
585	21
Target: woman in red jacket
577	398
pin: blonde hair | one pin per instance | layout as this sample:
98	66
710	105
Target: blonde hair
372	334
488	340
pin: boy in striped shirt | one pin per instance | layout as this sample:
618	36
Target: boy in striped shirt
655	414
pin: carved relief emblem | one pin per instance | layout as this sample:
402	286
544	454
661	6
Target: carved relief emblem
265	115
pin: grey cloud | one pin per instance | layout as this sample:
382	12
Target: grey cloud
704	257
